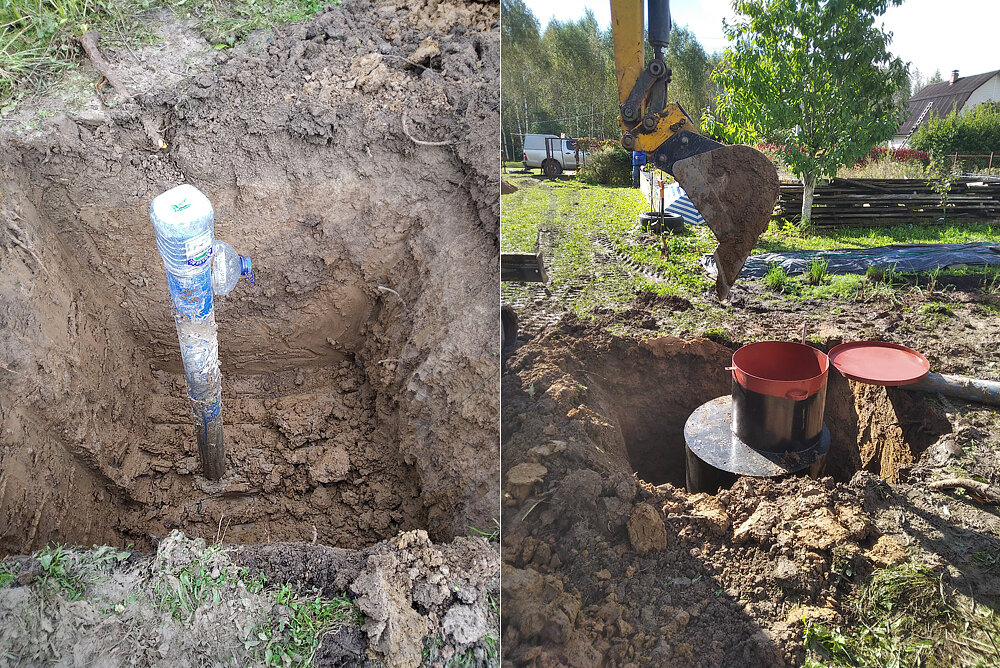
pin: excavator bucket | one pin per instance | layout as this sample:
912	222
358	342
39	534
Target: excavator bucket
734	189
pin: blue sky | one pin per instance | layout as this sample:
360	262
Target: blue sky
932	34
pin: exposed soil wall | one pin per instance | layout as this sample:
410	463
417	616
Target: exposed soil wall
358	371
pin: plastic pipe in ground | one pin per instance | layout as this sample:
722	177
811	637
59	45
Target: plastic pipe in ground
960	387
184	224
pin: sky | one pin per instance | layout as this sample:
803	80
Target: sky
930	34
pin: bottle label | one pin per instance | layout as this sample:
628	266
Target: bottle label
198	249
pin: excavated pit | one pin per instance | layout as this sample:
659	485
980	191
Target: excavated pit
359	372
643	395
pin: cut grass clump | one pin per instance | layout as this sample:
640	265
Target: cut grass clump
816	272
902	617
776	279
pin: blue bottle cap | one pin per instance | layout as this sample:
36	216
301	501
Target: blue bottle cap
246	268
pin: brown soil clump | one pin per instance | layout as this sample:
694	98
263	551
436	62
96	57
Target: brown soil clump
735	188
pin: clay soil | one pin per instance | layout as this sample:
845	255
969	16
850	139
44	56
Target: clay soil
352	158
607	560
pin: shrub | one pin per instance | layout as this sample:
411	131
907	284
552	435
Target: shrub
609	166
974	133
880	153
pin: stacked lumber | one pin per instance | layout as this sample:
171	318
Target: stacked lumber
890	202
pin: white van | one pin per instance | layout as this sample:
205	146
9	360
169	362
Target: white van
552	154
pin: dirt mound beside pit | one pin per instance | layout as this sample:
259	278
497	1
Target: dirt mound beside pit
357	372
607	560
191	603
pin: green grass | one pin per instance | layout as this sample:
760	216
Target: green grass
194	585
224	24
39	38
776	279
490	535
987	560
293	638
937	309
787	237
57	572
570	216
903	617
816	272
7	574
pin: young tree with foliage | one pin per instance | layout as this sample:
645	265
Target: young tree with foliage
814	75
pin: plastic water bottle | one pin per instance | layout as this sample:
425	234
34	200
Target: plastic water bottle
227	268
184	224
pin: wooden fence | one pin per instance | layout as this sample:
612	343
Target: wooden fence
891	202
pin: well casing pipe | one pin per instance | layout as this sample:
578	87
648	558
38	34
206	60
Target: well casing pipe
184	224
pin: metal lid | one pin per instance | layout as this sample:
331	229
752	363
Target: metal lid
879	362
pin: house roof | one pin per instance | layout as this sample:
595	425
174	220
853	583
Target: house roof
945	96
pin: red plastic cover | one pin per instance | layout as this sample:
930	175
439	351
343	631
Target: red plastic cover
879	362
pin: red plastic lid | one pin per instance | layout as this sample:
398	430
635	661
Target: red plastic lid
879	363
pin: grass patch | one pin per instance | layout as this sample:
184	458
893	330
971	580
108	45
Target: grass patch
7	574
776	279
201	581
68	571
783	236
902	617
572	224
588	233
987	560
937	309
39	38
816	272
225	23
293	637
198	585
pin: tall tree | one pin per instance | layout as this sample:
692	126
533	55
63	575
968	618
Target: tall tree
816	75
575	86
522	62
691	83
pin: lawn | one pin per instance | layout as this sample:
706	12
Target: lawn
597	256
39	38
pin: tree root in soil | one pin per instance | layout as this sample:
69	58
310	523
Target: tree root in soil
981	491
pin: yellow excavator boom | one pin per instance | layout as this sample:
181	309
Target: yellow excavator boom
733	187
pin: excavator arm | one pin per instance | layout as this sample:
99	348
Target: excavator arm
733	187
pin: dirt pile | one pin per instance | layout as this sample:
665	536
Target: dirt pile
735	188
630	568
196	604
357	372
